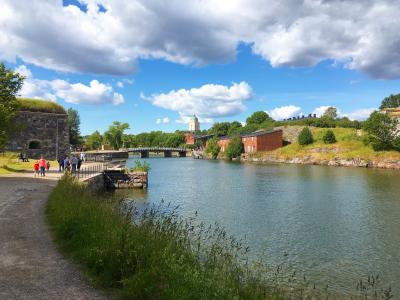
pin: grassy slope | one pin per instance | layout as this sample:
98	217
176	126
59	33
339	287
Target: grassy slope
26	104
9	164
349	146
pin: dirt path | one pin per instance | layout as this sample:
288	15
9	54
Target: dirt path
30	266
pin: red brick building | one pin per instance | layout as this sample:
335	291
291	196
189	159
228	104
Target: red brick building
257	141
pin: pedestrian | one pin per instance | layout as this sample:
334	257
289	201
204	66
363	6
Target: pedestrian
80	160
67	165
42	166
82	156
60	164
36	168
74	163
48	166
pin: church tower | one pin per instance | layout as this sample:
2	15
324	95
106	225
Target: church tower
194	124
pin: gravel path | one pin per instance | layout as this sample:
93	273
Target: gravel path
30	266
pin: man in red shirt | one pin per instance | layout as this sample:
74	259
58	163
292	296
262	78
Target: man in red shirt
42	166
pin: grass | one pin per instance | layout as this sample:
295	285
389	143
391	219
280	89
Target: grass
155	254
10	164
35	105
349	146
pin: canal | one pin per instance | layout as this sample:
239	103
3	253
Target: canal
335	225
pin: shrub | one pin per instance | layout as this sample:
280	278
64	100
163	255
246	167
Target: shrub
213	148
305	137
36	105
235	147
329	137
140	167
381	130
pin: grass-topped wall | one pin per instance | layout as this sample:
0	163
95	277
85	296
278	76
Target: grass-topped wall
35	105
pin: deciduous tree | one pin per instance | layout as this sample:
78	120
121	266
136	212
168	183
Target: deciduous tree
115	134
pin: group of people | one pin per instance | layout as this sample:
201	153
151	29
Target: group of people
41	166
68	165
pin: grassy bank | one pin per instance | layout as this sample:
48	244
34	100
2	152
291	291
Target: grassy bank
157	255
348	146
9	164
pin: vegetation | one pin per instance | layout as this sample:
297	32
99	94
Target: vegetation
115	134
329	137
235	148
10	83
140	167
382	130
155	254
74	123
322	122
305	137
213	148
392	101
36	105
9	164
94	141
259	117
330	113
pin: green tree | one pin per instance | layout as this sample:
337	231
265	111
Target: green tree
330	113
115	134
329	137
382	131
74	123
234	128
10	83
305	137
258	117
235	147
174	140
213	148
391	102
94	141
220	129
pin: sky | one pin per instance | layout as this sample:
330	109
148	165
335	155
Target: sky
153	63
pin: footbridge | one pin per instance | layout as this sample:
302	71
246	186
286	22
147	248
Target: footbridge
145	151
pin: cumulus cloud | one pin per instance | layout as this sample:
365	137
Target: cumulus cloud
360	114
120	84
77	93
319	111
163	121
361	35
284	112
207	102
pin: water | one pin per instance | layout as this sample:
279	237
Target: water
336	225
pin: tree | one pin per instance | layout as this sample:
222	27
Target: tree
305	137
391	102
115	134
174	140
213	148
94	141
329	137
74	123
10	83
220	129
331	113
258	117
234	128
382	131
235	147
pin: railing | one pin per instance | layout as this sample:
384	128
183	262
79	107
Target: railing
93	169
156	149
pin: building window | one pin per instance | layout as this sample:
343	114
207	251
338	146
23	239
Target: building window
34	145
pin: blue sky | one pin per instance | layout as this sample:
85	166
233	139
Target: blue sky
218	82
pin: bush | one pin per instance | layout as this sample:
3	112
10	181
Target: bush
381	130
140	167
329	137
235	147
305	137
213	148
36	105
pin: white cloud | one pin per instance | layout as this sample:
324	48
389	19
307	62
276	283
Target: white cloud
77	93
319	111
163	121
361	35
284	112
207	102
360	114
120	84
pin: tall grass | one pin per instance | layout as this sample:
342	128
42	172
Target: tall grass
35	105
155	254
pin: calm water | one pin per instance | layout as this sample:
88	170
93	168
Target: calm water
337	225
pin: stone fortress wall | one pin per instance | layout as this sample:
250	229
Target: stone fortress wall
40	133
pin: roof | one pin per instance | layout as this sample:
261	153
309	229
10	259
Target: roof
203	136
36	105
258	133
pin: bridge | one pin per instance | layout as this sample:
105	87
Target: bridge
145	151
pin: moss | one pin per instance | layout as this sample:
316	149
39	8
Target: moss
35	105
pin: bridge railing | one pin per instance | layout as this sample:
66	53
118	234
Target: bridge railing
155	149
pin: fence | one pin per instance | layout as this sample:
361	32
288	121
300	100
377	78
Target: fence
93	169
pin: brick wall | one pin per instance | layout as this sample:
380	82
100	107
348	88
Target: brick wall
270	141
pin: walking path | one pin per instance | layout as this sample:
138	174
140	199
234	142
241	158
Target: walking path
30	265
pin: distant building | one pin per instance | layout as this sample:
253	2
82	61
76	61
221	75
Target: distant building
257	141
194	124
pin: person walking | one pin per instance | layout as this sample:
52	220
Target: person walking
74	163
67	165
61	164
42	166
36	168
80	160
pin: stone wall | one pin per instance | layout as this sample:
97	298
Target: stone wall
36	134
